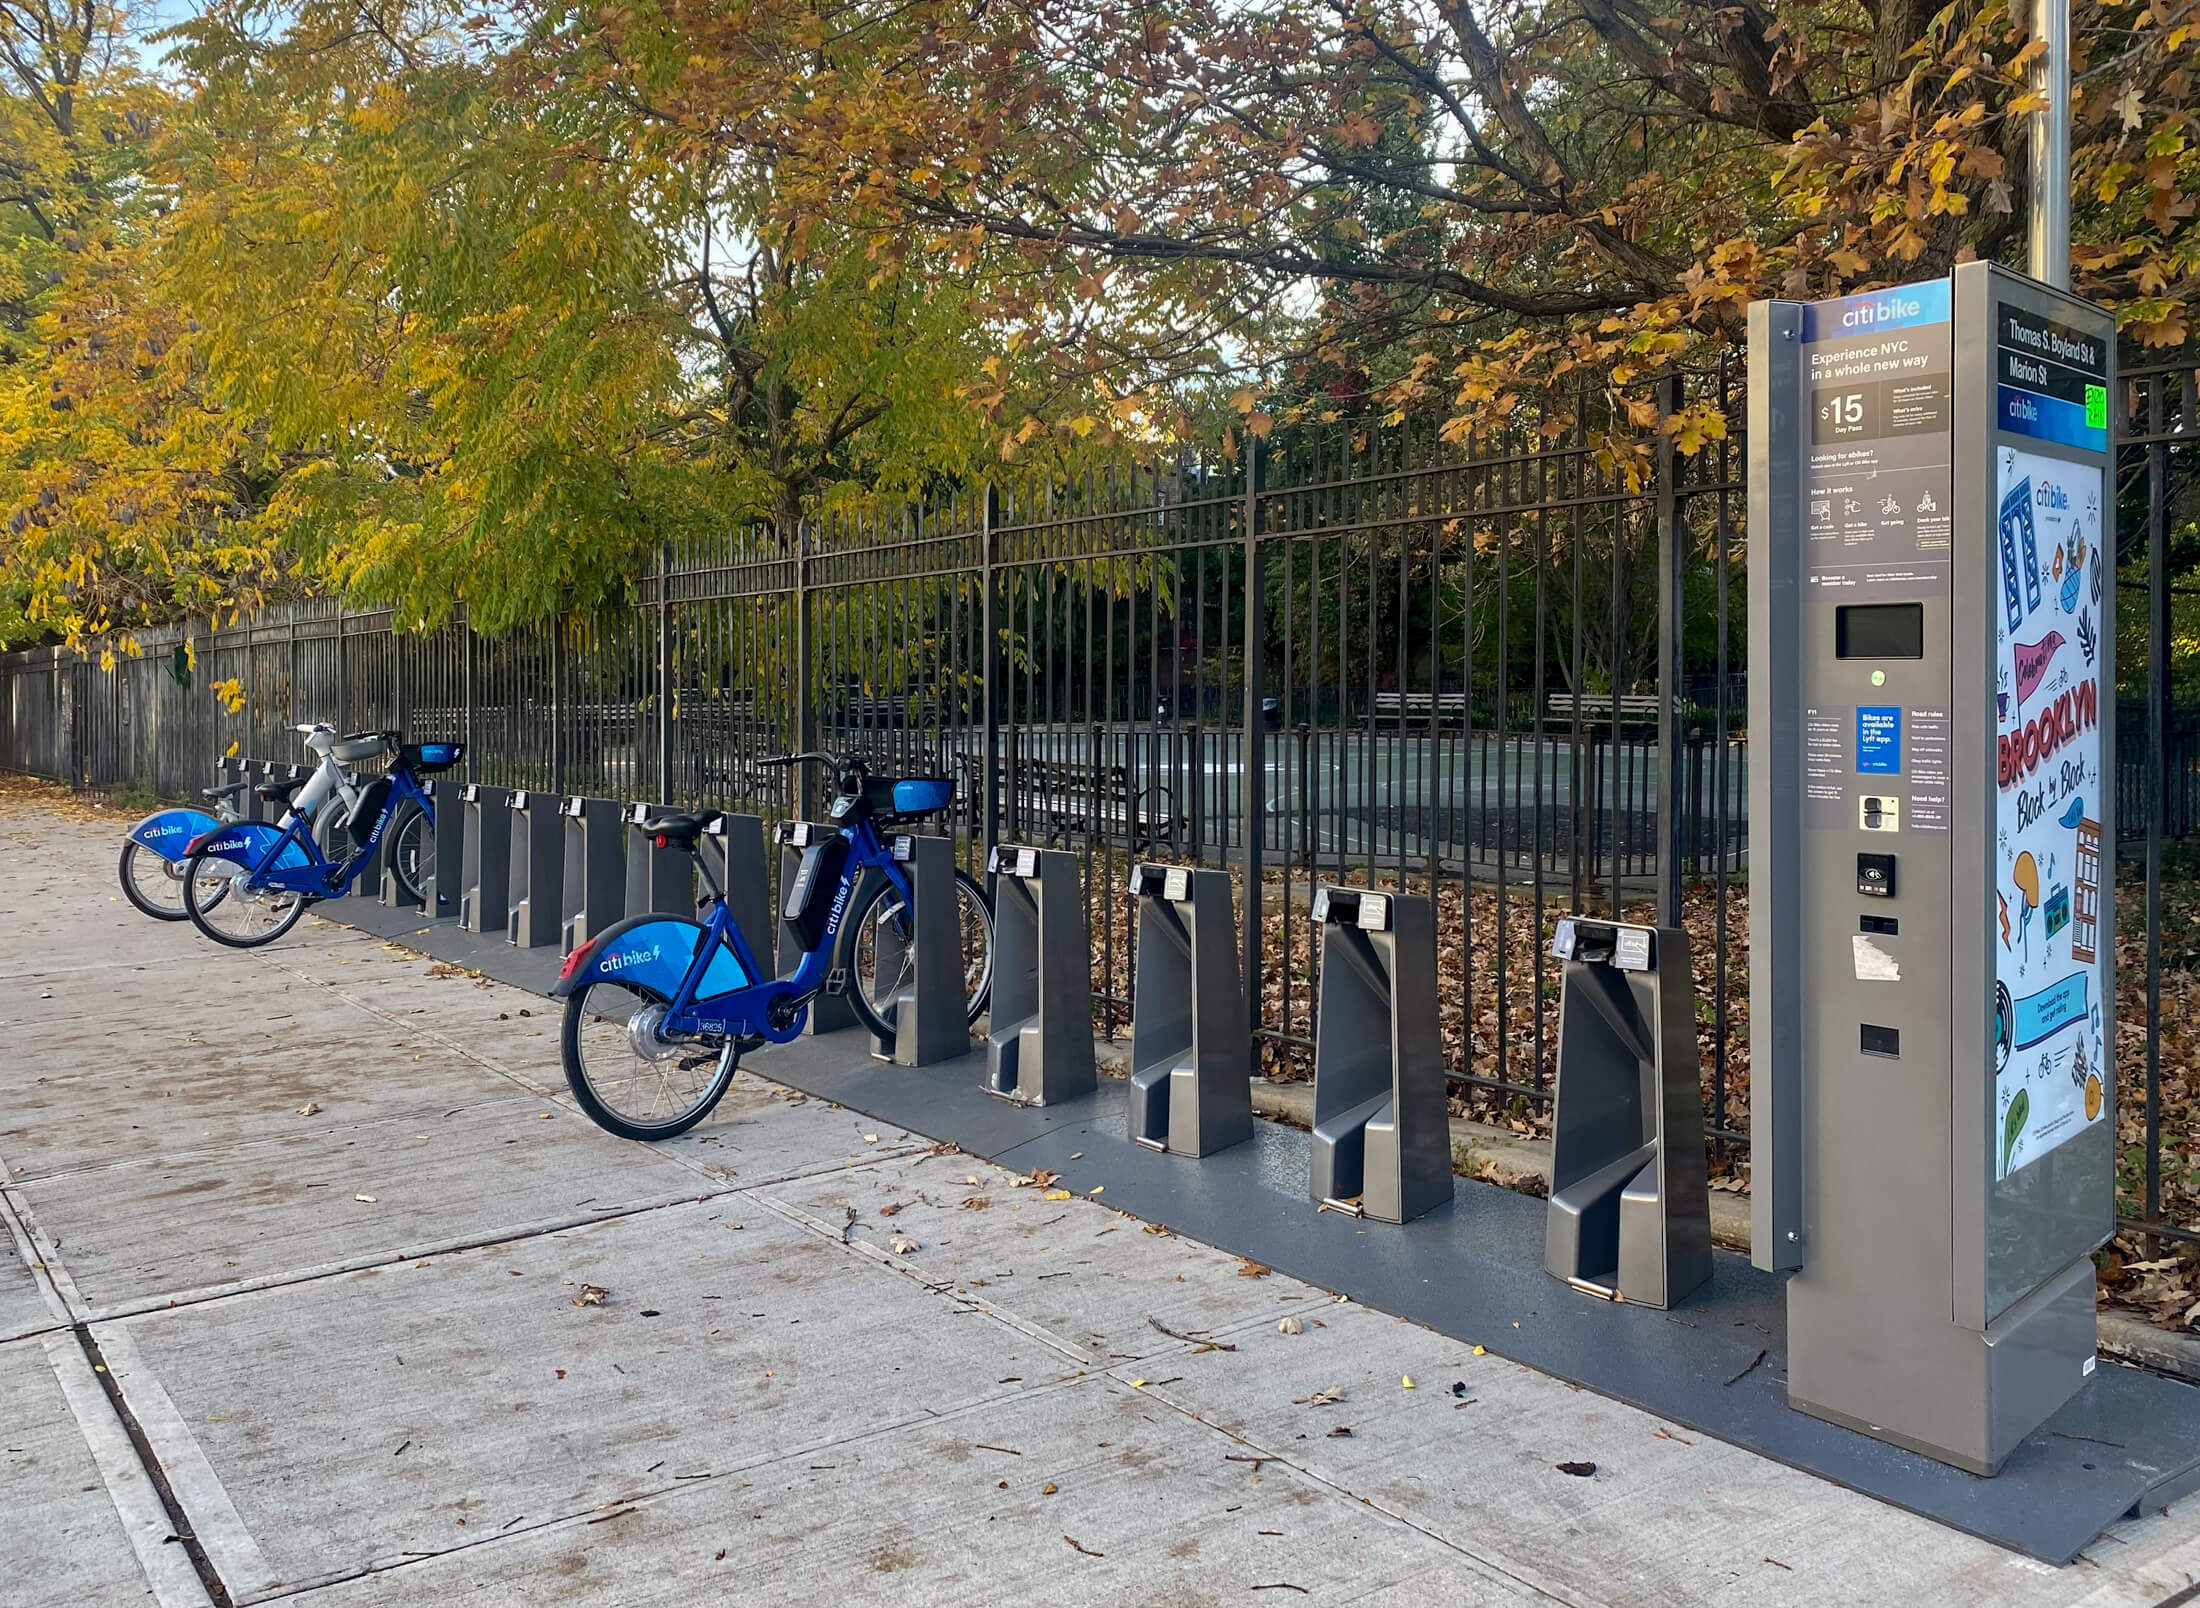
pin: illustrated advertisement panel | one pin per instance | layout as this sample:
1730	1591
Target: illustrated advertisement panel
2051	869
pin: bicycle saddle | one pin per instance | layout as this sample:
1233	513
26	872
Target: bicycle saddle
233	790
682	831
279	792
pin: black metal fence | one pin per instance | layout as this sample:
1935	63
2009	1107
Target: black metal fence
1502	670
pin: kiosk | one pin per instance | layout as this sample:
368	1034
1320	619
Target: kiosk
1932	688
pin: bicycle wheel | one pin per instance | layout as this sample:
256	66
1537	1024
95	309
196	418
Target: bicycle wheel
155	884
240	916
411	856
629	1080
880	964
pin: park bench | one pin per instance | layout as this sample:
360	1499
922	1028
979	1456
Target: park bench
1057	801
1595	708
1403	706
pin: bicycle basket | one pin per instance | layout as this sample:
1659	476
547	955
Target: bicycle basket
910	796
426	759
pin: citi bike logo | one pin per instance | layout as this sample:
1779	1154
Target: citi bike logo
624	959
1883	310
162	831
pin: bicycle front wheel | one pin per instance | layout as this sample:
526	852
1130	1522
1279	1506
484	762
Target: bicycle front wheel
881	965
222	904
630	1079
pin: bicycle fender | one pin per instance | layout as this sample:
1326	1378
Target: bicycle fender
170	833
246	842
652	952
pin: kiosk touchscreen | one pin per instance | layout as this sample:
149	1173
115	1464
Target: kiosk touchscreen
1931	816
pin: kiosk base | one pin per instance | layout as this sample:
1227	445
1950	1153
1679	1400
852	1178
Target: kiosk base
1981	1393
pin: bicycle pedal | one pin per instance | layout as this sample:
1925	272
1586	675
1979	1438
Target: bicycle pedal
836	982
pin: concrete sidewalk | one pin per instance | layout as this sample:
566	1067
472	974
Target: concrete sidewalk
303	1305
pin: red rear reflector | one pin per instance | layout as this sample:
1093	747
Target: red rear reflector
574	960
663	842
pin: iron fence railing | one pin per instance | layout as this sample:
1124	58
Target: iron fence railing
1504	671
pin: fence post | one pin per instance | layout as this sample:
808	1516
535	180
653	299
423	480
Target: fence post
1253	748
664	672
1672	577
557	703
990	629
466	685
338	715
805	651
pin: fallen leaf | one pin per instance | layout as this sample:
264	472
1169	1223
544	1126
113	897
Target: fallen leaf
1479	1351
1407	1381
1252	1270
1322	1398
369	1199
889	1210
1079	1546
1138	1384
1049	1488
901	1245
591	1295
870	1138
1290	1326
308	1109
1097	1189
976	1203
1579	1471
1341	1432
1055	1194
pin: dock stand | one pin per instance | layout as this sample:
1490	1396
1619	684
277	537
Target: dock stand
264	770
1191	1043
829	1013
485	859
369	884
537	881
442	886
1382	1122
1040	1048
932	1015
735	844
1630	1207
228	771
658	881
594	883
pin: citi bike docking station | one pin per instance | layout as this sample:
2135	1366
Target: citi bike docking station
1630	1207
831	1010
1191	1051
443	886
1382	1120
931	1022
657	880
1039	1050
594	882
734	847
535	885
485	865
1932	689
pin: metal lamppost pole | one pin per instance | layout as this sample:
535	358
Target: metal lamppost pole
2050	198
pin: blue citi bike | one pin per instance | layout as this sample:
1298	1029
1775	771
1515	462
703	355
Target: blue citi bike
660	1009
247	883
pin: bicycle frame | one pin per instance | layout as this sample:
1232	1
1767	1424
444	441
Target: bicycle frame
284	857
715	987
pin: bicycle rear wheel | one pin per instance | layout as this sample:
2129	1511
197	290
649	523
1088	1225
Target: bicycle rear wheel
630	1080
881	965
154	884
